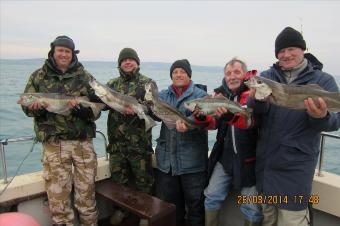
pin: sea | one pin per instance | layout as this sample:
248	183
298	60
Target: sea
22	158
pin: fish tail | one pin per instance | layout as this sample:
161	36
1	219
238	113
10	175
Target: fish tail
149	122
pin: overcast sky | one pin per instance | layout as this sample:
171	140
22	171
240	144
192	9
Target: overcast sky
205	32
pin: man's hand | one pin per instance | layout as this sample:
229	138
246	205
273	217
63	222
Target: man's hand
36	106
129	111
181	127
72	103
316	110
220	111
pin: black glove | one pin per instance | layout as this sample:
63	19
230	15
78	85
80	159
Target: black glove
227	116
84	113
201	117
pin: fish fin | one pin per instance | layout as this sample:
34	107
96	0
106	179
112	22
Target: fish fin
314	86
170	125
220	96
95	107
249	110
63	111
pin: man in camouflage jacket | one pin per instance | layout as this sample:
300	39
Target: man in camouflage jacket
66	140
130	146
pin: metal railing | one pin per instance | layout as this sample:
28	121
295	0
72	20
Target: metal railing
28	138
322	145
5	142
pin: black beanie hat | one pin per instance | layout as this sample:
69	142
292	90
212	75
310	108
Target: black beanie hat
289	37
184	64
128	53
64	41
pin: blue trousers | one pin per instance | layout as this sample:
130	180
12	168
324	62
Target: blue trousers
218	189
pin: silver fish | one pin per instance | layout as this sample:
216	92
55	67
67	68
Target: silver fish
208	105
292	96
119	102
168	114
58	103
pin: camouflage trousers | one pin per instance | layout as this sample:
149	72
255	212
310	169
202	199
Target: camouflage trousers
58	158
134	166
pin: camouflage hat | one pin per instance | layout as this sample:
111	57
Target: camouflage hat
64	41
128	53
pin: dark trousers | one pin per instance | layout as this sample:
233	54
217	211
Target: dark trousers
184	191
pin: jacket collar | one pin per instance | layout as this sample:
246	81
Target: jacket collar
313	65
185	94
129	77
224	89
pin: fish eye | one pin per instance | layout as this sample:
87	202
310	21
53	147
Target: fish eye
259	82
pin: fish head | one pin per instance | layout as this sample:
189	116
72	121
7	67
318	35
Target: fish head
27	99
190	105
151	90
98	88
262	89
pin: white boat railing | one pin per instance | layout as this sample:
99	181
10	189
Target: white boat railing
5	142
322	145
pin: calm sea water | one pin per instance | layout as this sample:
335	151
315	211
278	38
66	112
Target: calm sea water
13	122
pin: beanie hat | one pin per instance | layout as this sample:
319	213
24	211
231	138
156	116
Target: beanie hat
289	37
64	41
184	64
128	53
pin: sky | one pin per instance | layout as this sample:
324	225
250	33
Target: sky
207	33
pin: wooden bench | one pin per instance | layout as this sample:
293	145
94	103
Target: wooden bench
156	211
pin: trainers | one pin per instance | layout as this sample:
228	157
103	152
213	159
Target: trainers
143	222
118	217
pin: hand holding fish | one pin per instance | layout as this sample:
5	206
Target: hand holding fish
220	111
180	126
72	103
129	111
316	110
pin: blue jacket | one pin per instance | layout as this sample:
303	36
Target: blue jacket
288	144
187	152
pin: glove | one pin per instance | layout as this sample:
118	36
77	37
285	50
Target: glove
84	113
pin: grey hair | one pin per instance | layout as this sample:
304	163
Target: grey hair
236	60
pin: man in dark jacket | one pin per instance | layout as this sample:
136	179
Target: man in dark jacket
232	161
182	155
288	145
67	140
130	146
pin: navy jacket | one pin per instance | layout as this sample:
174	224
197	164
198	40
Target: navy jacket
187	152
234	147
288	145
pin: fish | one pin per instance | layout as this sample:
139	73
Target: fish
119	102
208	105
168	114
58	103
291	96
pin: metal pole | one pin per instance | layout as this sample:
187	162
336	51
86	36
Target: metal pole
3	162
322	145
105	143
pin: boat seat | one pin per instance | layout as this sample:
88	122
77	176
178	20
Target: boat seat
156	211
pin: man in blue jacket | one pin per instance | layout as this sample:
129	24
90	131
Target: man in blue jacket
288	145
182	155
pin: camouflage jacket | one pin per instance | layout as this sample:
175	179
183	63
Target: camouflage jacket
128	132
51	126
